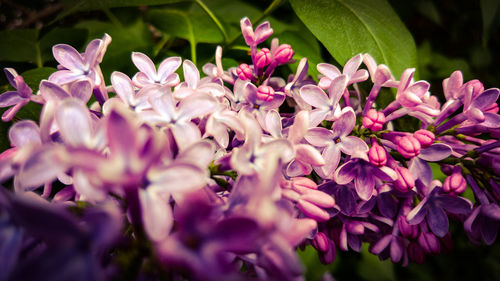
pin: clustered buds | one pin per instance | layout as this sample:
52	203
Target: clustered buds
408	146
374	120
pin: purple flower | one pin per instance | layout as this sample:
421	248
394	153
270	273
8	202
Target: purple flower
364	175
148	75
337	140
327	107
78	66
16	99
419	167
177	117
484	220
433	206
193	84
261	33
350	70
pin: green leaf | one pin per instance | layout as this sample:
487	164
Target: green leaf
488	10
19	45
33	77
193	24
72	6
75	37
304	48
350	27
313	266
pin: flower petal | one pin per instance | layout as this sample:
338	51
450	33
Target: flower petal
68	57
73	119
351	145
156	214
167	67
145	65
191	74
344	125
23	133
436	152
314	96
437	221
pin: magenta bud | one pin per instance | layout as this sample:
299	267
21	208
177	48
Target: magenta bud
303	182
405	181
424	137
263	58
328	256
455	184
312	211
374	120
265	93
377	155
283	53
320	242
429	243
406	229
408	146
244	71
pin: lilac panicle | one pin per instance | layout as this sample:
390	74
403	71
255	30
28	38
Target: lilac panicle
236	170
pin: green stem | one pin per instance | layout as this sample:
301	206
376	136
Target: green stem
112	17
214	19
158	47
39	62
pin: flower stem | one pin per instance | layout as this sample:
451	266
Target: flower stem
214	19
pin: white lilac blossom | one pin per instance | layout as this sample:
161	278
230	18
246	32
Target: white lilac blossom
223	177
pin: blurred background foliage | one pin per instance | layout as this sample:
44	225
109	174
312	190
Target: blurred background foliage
434	36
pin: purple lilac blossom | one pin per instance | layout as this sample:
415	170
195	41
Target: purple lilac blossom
212	175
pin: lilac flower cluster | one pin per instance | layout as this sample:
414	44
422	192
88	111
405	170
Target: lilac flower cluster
223	177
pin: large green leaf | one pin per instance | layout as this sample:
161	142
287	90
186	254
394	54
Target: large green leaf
192	24
19	45
349	27
72	6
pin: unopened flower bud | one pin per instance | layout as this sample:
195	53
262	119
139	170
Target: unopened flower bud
455	184
263	58
405	181
244	71
377	155
283	53
424	137
320	242
303	182
312	211
374	120
429	243
265	93
406	229
408	146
